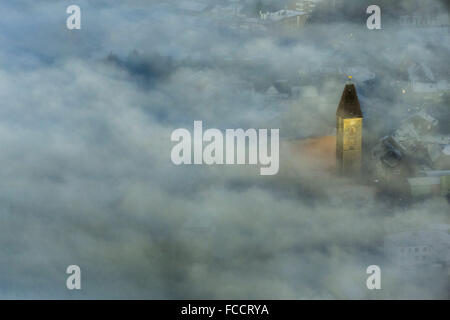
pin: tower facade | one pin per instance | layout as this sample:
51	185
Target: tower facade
349	119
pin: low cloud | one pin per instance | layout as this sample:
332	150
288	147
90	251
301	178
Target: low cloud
87	178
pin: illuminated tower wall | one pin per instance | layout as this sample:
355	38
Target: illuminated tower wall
349	132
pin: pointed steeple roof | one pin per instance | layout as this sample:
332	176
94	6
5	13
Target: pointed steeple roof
349	106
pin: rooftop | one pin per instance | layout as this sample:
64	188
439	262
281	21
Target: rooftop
349	106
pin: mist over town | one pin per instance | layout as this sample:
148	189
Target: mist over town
86	120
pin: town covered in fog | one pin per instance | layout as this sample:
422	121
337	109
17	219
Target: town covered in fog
97	186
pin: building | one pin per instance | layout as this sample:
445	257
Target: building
284	20
431	183
414	159
307	6
425	82
417	248
424	186
423	255
349	132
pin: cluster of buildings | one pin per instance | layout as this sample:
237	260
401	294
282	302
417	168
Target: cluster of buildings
425	82
290	19
414	159
236	15
420	247
285	20
294	15
424	251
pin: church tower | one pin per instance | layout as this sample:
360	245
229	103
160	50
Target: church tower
349	132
